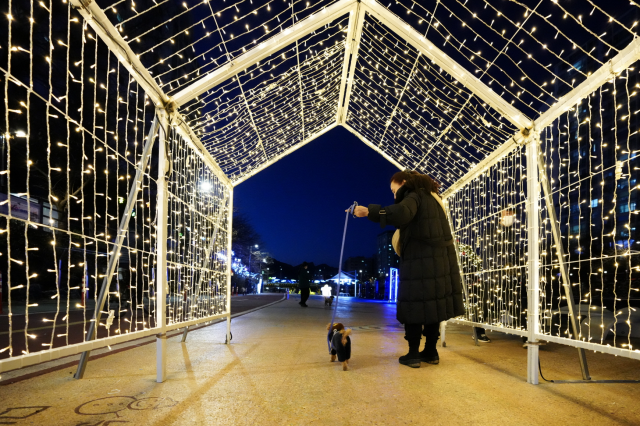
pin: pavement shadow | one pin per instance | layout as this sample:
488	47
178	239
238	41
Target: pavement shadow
174	417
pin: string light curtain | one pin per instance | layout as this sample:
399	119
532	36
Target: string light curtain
74	128
415	112
198	236
490	222
75	124
591	161
205	36
274	105
526	53
76	119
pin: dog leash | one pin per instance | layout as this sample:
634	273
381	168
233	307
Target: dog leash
351	211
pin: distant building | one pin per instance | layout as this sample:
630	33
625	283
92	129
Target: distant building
386	257
324	272
359	266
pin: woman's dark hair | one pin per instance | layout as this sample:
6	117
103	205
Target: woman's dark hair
415	180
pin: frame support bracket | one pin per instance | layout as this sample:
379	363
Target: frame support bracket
123	230
566	283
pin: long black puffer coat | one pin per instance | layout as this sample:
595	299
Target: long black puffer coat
430	289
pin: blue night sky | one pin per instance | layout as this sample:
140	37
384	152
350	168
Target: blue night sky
297	204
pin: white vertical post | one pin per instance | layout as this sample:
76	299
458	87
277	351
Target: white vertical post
443	330
533	287
229	261
161	250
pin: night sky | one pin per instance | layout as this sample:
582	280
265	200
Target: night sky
297	204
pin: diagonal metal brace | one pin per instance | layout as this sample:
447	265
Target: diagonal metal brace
122	232
566	284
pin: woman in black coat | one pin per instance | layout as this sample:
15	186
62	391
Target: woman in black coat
430	289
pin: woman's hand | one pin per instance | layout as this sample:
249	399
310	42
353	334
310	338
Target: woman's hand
360	211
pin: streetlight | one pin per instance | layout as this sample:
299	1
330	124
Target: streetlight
250	253
261	267
360	280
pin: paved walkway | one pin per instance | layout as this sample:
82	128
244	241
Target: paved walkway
277	372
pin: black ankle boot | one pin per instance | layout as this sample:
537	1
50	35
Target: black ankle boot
412	359
430	354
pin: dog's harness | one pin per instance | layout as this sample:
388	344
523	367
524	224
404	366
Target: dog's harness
351	211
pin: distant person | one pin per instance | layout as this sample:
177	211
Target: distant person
304	284
430	289
328	297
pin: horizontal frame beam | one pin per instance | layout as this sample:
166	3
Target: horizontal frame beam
432	52
490	327
274	44
38	357
596	347
616	65
49	355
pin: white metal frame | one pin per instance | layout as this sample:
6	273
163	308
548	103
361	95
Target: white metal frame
621	61
111	37
350	59
301	29
96	18
348	46
533	280
536	177
357	10
229	261
161	289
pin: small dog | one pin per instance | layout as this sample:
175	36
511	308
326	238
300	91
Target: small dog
328	301
340	344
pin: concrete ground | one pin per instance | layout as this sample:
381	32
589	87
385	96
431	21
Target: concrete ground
277	372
